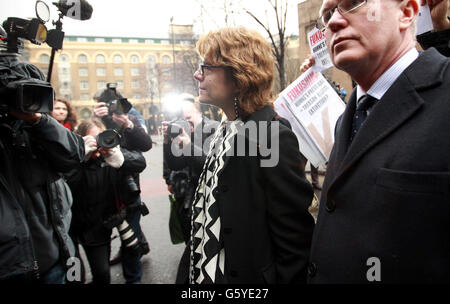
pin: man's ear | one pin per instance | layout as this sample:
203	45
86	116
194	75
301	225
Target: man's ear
409	12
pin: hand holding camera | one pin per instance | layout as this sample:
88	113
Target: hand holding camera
90	146
113	157
100	109
122	120
105	143
178	130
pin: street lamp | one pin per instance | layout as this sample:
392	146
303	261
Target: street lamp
173	55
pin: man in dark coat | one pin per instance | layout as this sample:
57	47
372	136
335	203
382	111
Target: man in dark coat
384	212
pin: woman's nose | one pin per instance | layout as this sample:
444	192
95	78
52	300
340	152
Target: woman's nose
197	75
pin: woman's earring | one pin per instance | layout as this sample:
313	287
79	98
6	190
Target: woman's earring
236	107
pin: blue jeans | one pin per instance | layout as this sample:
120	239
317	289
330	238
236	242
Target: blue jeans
131	262
56	275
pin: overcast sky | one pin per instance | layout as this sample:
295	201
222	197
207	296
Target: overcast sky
151	18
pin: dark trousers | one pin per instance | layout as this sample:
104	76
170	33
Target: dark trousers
98	258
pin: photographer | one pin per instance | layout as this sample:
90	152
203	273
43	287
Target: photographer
113	109
99	191
182	172
35	201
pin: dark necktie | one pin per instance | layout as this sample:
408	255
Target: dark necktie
364	104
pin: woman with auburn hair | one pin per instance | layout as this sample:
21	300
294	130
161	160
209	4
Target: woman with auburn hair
250	221
64	113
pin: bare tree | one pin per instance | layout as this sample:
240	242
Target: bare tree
277	39
191	61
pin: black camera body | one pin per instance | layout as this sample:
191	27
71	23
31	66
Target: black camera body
108	139
176	127
22	85
118	106
26	95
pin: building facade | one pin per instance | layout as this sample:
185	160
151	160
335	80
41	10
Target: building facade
143	68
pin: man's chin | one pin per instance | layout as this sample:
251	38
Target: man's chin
345	61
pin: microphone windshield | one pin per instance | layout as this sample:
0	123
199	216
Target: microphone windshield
75	9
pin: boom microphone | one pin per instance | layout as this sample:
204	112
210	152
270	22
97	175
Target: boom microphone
75	9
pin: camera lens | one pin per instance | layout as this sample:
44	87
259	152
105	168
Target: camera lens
108	139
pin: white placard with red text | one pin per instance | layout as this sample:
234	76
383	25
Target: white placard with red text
319	50
313	108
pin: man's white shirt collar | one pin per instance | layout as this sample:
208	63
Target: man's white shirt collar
379	88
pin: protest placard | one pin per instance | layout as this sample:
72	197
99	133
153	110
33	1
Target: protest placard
312	107
424	22
319	50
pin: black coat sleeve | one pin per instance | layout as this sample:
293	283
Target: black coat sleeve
440	40
134	162
64	149
136	138
289	194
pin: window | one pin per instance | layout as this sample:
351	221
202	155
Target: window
100	59
101	85
83	72
117	59
82	59
135	84
84	85
65	85
165	59
82	39
63	58
133	41
84	97
120	84
134	71
65	71
100	40
118	72
134	59
151	59
117	40
101	72
149	41
44	58
165	41
85	113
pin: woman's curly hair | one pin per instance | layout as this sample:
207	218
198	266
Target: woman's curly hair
251	62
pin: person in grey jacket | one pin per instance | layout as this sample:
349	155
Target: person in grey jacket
35	200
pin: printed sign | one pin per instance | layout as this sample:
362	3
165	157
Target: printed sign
319	50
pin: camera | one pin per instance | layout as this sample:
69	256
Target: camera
26	95
108	139
176	127
118	106
128	238
134	191
114	101
21	84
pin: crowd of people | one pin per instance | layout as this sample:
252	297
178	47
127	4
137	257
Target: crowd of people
241	192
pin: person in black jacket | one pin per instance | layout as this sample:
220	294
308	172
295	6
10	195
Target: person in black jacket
189	164
439	37
250	221
133	138
35	200
183	171
98	191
